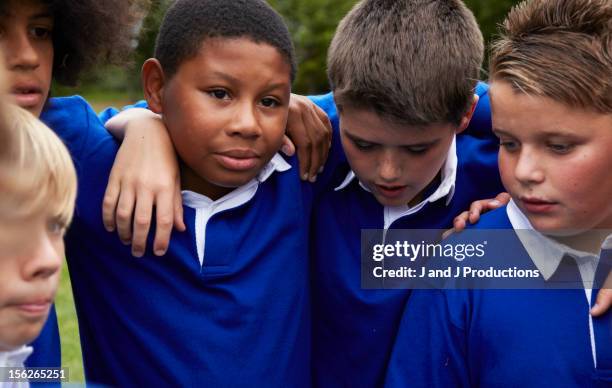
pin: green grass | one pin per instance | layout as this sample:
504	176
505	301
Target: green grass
69	329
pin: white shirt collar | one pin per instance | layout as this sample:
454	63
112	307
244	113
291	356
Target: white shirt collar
205	207
195	200
547	253
446	188
15	357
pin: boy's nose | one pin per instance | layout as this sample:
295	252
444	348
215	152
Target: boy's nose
19	52
389	167
244	122
527	169
44	260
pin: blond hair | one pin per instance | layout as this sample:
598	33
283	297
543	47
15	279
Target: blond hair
412	61
560	49
36	171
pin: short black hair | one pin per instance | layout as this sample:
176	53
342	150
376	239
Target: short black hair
188	23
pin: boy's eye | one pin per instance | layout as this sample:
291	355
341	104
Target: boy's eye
560	148
363	145
416	149
41	32
219	94
270	102
509	145
56	227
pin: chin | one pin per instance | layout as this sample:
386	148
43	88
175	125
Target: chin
233	183
391	202
20	337
557	229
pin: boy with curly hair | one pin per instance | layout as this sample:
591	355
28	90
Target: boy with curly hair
58	40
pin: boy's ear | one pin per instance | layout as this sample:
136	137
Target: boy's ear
153	82
465	120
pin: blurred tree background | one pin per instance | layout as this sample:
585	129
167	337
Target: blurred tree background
312	24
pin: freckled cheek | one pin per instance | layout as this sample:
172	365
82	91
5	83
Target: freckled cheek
580	180
506	171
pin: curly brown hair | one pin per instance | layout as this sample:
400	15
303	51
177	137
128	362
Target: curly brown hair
92	32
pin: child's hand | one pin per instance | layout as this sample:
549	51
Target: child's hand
309	129
604	298
145	176
476	209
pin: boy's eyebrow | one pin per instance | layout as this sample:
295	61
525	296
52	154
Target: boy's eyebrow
232	79
42	15
225	76
499	131
277	85
540	133
46	14
422	144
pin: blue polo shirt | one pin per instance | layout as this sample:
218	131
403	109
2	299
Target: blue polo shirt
47	350
491	338
240	317
354	328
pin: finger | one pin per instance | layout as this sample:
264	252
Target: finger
304	151
317	138
179	222
503	198
322	145
326	124
460	221
447	233
164	208
109	203
603	301
322	116
125	208
493	204
142	222
475	211
288	148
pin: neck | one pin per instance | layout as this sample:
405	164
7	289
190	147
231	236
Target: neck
421	195
190	180
588	241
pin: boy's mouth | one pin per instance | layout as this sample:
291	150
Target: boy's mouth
240	159
390	191
33	308
27	96
537	205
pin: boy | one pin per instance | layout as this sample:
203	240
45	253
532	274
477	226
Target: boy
228	304
58	40
554	129
354	327
37	194
409	168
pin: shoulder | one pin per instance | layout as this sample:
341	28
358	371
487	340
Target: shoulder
495	219
327	104
72	119
59	107
66	114
480	125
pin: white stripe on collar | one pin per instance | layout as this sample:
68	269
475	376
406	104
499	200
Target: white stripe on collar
446	188
15	357
195	200
205	207
547	255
